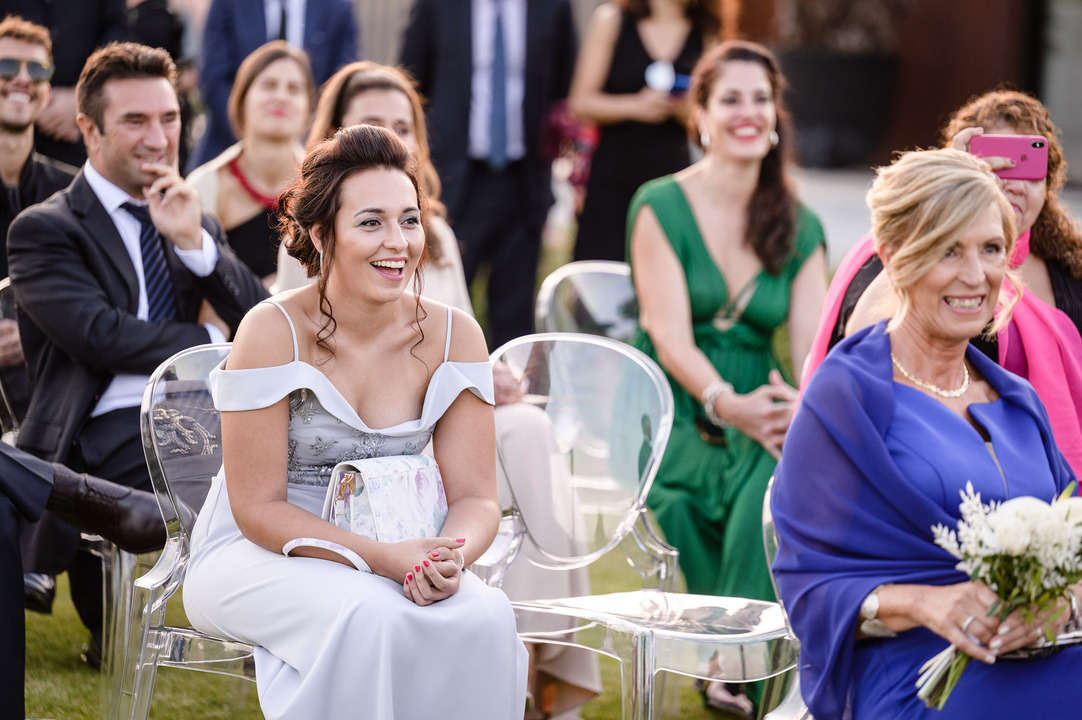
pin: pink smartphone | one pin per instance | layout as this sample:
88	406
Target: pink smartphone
1029	152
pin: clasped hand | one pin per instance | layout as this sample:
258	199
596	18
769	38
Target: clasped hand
764	413
959	614
427	568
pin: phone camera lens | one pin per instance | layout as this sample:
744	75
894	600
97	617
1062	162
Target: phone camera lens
1038	143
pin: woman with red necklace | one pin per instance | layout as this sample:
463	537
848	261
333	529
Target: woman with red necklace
269	109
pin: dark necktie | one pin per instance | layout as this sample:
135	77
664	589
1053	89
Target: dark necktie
160	302
497	150
282	26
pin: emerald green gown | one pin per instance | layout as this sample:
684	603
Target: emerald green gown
708	498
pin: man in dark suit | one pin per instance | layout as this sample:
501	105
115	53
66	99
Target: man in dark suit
27	177
28	485
486	111
112	276
325	29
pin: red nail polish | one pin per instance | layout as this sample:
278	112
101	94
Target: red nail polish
461	540
426	563
416	568
409	577
434	554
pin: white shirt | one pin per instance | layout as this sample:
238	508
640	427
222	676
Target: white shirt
294	20
514	43
126	390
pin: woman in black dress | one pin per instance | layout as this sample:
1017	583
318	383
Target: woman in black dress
634	64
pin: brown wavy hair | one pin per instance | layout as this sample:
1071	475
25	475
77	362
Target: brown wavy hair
705	14
1055	235
314	200
358	78
771	221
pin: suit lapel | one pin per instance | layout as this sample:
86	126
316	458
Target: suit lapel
101	230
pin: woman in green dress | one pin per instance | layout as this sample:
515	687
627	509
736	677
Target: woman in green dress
723	253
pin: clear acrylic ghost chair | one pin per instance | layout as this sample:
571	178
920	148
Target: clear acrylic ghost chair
182	441
792	706
610	411
597	297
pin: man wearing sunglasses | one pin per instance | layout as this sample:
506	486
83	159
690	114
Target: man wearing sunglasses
27	178
26	66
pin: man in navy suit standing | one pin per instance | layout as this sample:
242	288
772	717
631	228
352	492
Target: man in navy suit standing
112	276
491	70
325	29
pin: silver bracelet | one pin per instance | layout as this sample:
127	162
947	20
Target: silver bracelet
461	560
710	394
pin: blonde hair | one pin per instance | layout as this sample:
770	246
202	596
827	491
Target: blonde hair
920	205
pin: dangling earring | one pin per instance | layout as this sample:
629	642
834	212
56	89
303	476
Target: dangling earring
774	139
704	139
321	263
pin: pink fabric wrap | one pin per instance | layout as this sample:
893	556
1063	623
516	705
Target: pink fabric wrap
851	263
1042	345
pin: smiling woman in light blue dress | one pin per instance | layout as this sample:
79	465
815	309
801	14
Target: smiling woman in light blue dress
356	366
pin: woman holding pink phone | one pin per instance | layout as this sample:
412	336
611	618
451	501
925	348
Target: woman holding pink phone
1042	343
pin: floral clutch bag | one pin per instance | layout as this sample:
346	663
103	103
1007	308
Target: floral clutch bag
389	499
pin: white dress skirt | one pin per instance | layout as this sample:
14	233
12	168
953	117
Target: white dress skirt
331	641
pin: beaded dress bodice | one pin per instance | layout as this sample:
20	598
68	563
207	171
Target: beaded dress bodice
324	429
318	441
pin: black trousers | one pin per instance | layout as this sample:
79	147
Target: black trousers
25	484
498	227
109	447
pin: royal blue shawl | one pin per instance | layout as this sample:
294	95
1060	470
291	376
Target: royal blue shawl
848	520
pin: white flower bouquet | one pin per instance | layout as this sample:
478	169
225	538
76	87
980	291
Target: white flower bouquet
1026	550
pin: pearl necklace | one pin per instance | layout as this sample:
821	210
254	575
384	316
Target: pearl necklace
935	388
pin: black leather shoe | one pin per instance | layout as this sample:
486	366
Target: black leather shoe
127	517
39	591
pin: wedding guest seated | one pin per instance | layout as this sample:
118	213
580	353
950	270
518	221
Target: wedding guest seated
563	678
356	366
373	94
1041	342
722	254
893	425
269	110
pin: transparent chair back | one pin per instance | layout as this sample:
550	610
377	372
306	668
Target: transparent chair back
182	441
792	706
606	414
595	297
607	410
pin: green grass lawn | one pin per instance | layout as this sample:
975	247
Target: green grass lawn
59	685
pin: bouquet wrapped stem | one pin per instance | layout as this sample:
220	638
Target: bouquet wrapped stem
1026	550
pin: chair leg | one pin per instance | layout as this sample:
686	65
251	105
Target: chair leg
118	569
643	674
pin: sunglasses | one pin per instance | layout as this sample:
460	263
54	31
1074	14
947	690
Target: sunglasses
39	72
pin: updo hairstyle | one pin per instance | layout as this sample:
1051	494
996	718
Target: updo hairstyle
314	200
922	203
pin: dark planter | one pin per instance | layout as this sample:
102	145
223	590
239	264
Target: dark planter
841	104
